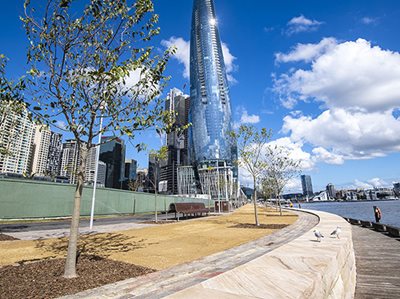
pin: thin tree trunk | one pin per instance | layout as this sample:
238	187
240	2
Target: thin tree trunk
280	205
70	263
255	202
155	206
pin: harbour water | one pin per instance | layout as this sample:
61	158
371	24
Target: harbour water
362	210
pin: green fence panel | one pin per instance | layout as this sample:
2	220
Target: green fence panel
35	199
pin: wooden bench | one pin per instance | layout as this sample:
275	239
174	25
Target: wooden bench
187	209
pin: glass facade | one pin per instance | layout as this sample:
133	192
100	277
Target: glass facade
210	108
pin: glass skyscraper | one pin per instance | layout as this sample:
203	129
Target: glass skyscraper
210	107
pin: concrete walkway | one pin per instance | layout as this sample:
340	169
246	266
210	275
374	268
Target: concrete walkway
180	280
378	264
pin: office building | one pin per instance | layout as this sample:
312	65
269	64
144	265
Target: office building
307	185
177	103
396	189
130	173
112	152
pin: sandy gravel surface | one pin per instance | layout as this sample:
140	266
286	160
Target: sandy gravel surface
158	247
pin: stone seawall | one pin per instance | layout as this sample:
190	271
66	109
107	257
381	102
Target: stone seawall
303	268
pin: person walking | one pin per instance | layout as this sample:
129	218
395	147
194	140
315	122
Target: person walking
377	214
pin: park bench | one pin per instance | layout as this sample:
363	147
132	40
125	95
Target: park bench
187	209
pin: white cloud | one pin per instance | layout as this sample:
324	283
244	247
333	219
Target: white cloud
371	184
322	155
369	20
245	117
183	56
302	24
349	75
358	85
307	52
349	135
296	152
61	124
182	53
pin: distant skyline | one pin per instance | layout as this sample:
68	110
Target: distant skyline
325	76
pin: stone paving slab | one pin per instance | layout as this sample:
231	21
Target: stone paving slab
302	268
175	279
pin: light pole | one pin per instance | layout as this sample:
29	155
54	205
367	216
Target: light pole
96	170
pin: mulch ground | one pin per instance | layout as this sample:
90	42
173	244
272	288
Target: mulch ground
261	225
4	237
43	279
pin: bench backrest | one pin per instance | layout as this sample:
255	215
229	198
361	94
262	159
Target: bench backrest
185	206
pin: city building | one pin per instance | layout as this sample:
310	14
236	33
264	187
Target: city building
112	152
396	189
130	173
307	185
177	141
90	169
46	152
331	192
17	132
210	105
69	160
54	155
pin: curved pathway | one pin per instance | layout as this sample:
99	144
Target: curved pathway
172	280
378	264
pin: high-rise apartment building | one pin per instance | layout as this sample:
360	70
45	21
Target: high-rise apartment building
210	105
330	191
69	160
396	189
177	142
112	152
16	139
307	185
46	154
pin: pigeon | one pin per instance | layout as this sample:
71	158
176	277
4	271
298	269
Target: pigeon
337	232
318	235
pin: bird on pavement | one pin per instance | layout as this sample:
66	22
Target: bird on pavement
318	235
337	232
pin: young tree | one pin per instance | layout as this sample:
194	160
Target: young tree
251	145
281	168
157	156
91	61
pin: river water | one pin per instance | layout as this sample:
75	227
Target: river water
362	210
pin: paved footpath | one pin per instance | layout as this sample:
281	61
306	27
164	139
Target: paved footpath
377	263
174	279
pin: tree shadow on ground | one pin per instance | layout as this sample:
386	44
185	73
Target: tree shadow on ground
95	244
261	226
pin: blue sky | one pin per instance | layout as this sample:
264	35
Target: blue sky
324	75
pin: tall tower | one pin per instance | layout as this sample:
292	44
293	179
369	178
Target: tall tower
210	107
211	149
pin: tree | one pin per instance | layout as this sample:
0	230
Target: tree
90	61
281	168
251	145
157	156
